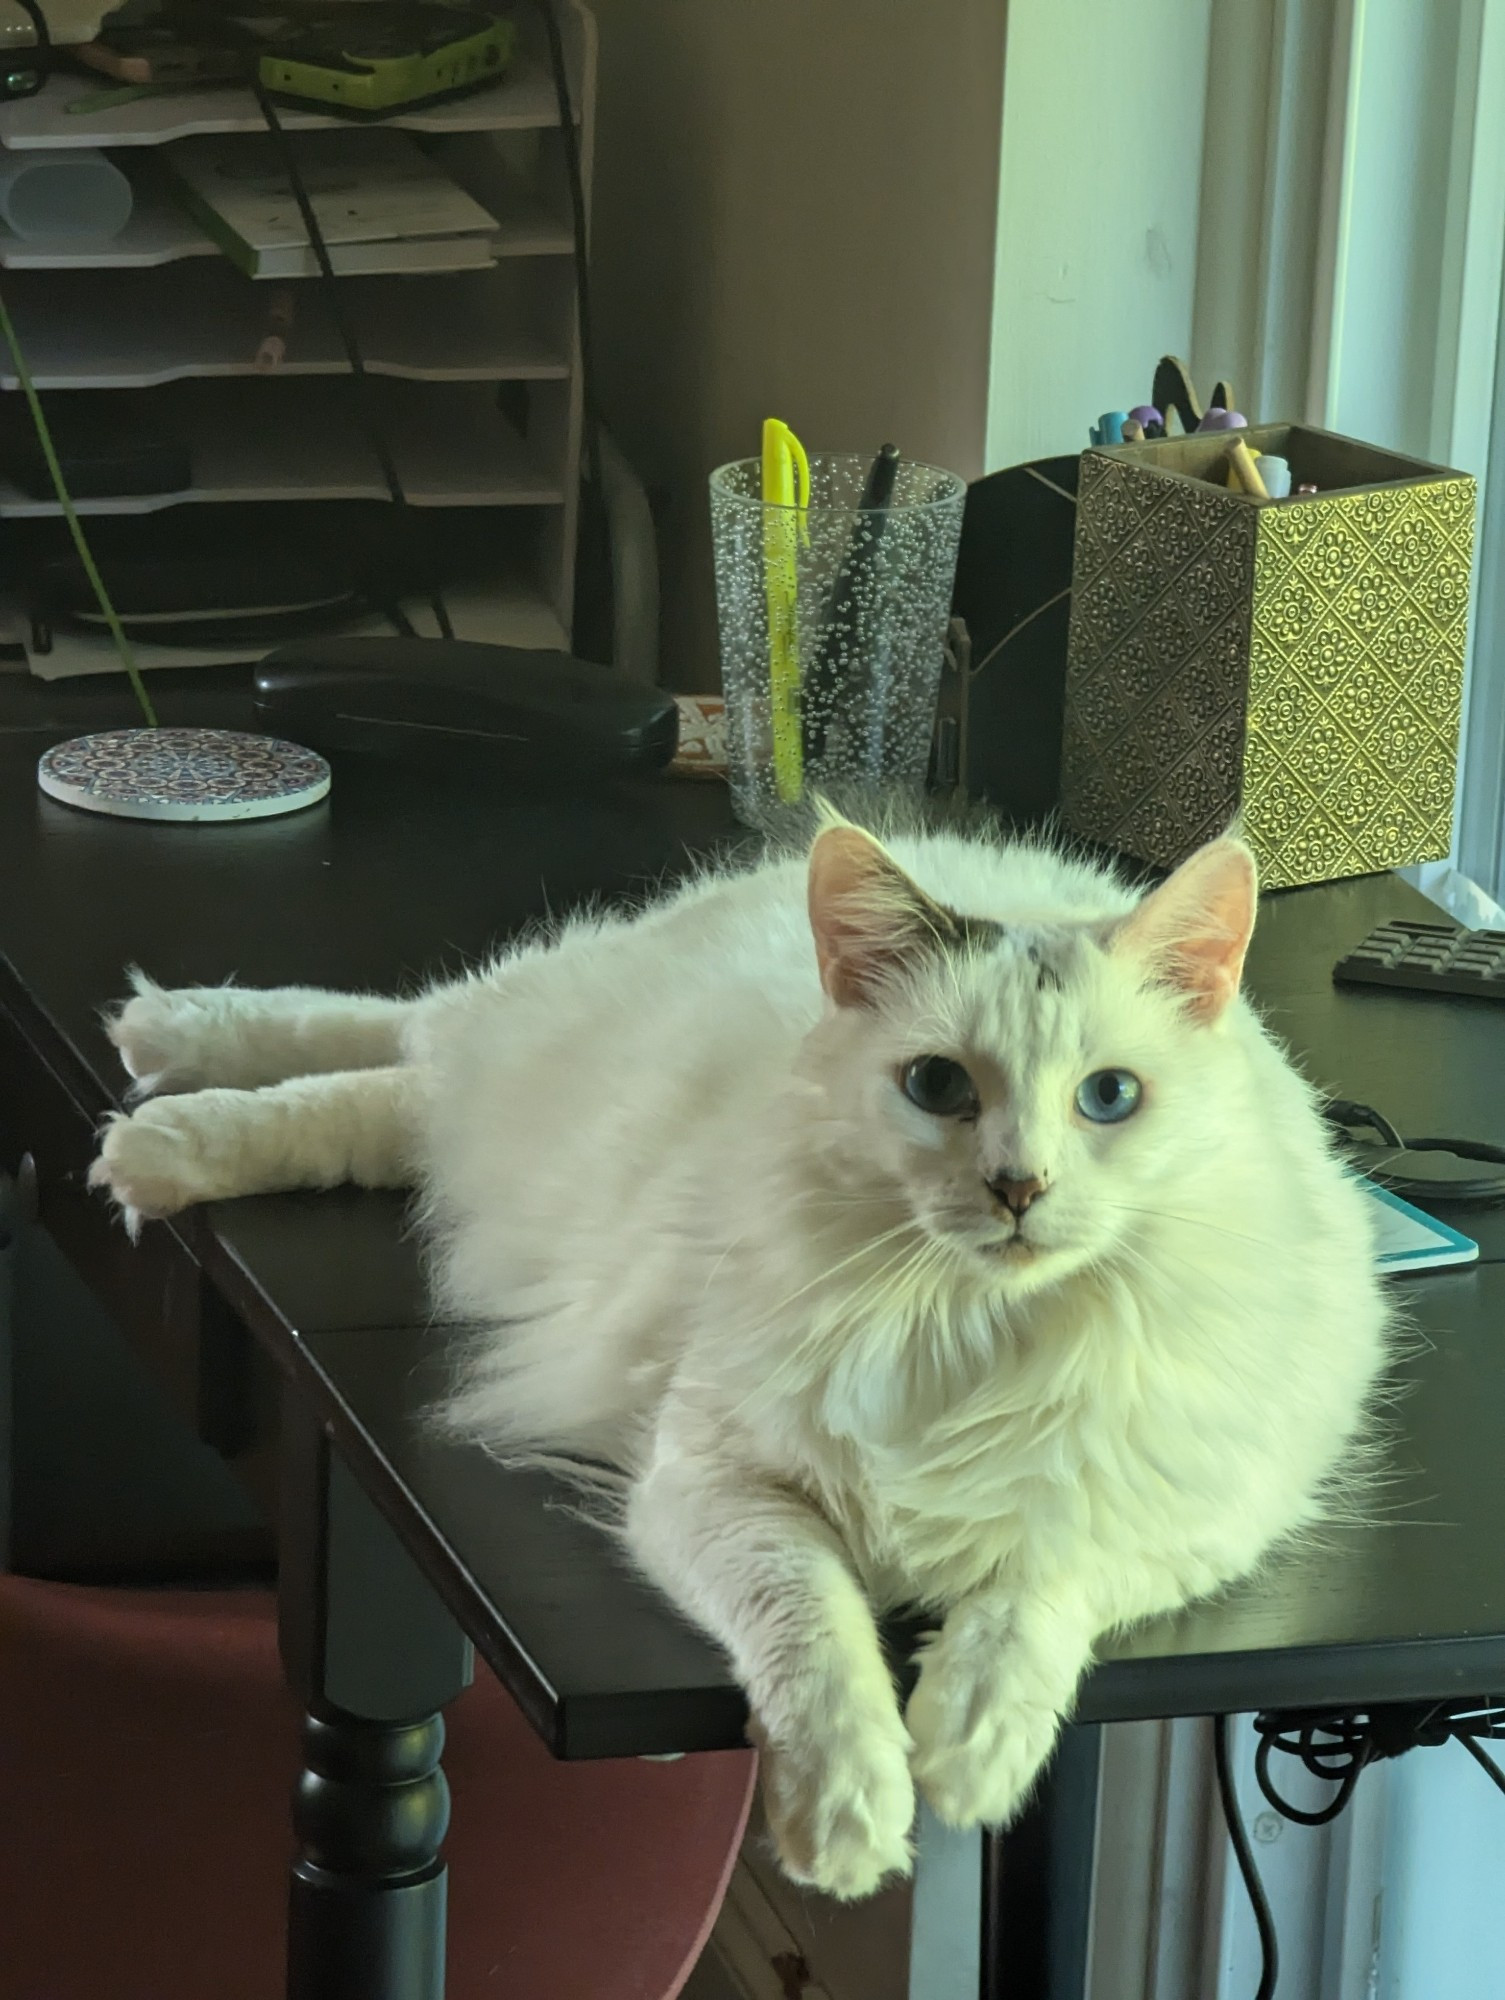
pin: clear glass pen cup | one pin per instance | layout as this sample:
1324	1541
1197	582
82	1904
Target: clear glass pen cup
833	629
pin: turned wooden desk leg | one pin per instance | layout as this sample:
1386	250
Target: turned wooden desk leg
374	1656
367	1903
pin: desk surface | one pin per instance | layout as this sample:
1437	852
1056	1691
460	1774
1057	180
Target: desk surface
394	878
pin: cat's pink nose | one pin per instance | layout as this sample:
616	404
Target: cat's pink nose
1016	1190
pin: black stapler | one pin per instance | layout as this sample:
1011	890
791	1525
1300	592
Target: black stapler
532	714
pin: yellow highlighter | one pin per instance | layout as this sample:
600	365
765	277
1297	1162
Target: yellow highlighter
786	494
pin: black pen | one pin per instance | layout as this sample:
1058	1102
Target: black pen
833	655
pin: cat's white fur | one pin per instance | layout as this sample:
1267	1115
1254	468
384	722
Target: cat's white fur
667	1160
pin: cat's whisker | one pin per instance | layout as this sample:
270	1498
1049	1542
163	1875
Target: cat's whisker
822	1331
1124	1248
731	1249
843	1264
846	1203
889	1288
1194	1221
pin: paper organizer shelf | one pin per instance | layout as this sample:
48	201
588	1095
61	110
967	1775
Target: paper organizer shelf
1297	664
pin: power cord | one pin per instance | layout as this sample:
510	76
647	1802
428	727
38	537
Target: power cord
1350	1118
1338	1745
1243	1854
365	395
32	10
580	232
70	514
580	225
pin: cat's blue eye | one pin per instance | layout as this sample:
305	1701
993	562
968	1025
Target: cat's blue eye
940	1086
1109	1095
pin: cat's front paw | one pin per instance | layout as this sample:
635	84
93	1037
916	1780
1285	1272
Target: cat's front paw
154	1163
840	1801
158	1032
980	1738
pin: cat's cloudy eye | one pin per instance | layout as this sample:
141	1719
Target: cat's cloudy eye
1108	1095
940	1086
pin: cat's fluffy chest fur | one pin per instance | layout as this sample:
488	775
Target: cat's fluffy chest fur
932	1225
955	1441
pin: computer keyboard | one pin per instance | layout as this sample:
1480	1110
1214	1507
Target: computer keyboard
1428	958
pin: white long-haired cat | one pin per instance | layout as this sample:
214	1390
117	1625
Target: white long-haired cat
986	1256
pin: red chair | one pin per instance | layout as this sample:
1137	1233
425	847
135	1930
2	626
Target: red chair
147	1753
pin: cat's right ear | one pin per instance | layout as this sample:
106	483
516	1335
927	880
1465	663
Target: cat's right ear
867	917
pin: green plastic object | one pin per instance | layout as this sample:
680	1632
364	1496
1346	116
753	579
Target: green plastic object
418	55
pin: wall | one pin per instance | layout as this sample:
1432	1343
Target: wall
1098	207
794	215
1262	211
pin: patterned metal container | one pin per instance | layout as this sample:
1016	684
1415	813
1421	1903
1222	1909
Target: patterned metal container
1296	664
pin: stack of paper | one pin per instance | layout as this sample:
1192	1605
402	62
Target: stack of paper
380	202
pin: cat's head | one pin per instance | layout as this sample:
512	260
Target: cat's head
1028	1093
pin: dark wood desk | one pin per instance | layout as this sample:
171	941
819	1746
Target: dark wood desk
400	874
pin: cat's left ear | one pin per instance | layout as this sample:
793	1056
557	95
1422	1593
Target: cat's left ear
868	918
1194	930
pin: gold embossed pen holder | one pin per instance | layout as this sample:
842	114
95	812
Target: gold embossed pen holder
1297	663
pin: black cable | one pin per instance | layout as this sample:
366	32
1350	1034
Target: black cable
1345	1114
1340	1761
575	174
38	21
1466	1149
1348	1117
1483	1759
1337	1744
1243	1854
364	394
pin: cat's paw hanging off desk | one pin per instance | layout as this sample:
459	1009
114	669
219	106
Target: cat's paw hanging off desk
840	1804
982	1776
984	1716
158	1160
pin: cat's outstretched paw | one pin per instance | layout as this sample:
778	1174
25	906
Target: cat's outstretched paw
980	1738
840	1802
154	1162
158	1033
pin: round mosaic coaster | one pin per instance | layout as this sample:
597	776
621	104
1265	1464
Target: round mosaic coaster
183	774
